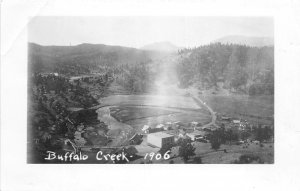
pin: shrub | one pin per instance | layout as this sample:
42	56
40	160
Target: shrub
186	149
198	160
247	159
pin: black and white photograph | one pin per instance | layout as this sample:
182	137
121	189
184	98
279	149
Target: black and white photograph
147	90
144	95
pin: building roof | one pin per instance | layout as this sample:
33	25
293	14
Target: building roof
160	134
181	131
160	126
145	127
236	121
225	118
198	133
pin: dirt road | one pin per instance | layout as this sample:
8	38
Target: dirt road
201	104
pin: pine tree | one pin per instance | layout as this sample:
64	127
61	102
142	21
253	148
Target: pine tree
186	149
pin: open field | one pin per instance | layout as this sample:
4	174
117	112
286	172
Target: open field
129	113
256	109
182	102
266	153
232	154
137	117
140	110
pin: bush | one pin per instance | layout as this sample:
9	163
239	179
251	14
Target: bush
165	148
198	160
186	149
261	145
248	159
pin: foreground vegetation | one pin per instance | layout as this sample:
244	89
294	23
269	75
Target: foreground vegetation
58	109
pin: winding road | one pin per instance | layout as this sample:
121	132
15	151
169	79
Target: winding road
202	103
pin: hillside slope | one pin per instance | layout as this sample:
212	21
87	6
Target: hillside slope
84	58
239	68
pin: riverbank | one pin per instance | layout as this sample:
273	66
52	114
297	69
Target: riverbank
117	131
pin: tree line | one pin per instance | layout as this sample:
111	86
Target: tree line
239	67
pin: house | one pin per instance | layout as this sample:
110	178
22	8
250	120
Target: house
159	139
235	121
181	133
177	124
207	129
49	74
146	128
224	118
160	126
153	130
196	135
168	126
242	127
194	124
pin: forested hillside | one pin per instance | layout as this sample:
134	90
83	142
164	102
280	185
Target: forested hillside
237	68
84	58
59	110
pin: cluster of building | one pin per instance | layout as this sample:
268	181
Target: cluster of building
235	124
160	127
170	132
49	74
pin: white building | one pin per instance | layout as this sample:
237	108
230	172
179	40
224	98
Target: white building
146	128
177	124
194	124
160	139
235	121
160	126
168	126
197	135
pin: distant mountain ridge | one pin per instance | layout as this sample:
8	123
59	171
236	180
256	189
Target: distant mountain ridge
164	46
246	40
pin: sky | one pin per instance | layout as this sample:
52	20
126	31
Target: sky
139	31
